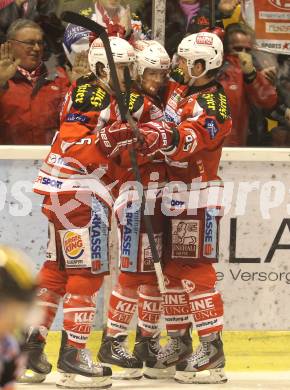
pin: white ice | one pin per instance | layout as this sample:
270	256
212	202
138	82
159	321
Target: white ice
237	381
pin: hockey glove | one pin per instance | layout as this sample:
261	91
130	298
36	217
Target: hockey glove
115	138
158	136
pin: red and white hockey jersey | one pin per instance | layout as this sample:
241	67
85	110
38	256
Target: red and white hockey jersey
203	121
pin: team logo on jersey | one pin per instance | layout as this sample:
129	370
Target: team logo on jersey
73	245
210	234
185	239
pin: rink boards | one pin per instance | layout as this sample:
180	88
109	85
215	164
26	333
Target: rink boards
253	272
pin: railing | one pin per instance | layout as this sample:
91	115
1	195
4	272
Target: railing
35	152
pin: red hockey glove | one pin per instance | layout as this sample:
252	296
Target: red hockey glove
157	136
116	137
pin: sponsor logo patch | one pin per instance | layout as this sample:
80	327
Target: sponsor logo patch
188	285
77	118
211	127
130	240
99	236
73	245
210	234
185	239
204	40
47	181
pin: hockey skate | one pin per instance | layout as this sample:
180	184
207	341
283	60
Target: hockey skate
113	352
208	359
177	349
78	370
37	365
147	348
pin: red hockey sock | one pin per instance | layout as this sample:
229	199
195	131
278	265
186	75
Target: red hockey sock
121	311
207	310
176	311
48	302
79	313
149	310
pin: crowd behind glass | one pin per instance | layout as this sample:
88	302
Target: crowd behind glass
38	64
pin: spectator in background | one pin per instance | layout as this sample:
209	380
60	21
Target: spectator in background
10	10
30	96
224	10
190	9
175	23
243	84
112	15
41	12
280	134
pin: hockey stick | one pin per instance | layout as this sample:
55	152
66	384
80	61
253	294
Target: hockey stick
79	20
212	14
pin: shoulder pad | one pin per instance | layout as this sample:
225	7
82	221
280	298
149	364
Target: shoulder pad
215	104
83	80
136	101
87	97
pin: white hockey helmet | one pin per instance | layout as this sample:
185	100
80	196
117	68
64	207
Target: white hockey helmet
202	46
122	52
152	55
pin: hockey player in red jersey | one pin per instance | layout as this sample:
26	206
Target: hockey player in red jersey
137	284
77	203
192	144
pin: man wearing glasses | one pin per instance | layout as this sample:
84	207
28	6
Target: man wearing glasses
244	86
30	94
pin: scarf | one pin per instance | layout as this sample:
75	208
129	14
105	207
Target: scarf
31	76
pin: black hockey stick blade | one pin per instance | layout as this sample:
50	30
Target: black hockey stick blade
82	21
